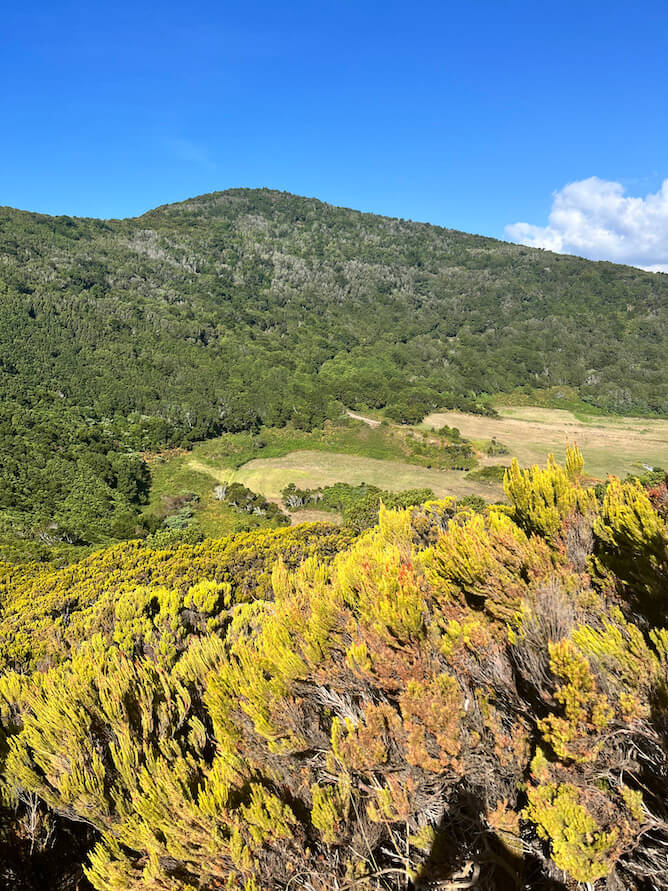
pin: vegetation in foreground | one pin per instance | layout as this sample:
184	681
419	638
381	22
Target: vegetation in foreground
359	506
453	697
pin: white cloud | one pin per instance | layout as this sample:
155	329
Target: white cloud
594	218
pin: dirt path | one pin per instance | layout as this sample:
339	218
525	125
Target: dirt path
308	516
370	421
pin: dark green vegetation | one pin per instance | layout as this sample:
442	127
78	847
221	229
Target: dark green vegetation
451	699
359	506
493	473
249	308
243	499
65	480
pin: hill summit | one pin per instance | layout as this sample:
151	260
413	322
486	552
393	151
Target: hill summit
257	304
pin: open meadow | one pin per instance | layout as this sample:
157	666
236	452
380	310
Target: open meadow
396	457
610	445
309	469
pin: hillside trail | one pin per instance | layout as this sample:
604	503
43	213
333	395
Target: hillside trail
370	421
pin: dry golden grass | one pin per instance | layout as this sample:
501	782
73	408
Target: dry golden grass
310	469
611	445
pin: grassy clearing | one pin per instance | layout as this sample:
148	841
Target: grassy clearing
218	460
560	398
395	458
310	469
386	442
179	475
387	456
611	445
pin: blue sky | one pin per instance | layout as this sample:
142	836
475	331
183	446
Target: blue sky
469	115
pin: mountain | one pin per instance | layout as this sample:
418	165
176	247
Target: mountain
251	307
232	306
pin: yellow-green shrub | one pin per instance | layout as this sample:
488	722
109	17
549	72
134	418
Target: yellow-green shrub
288	717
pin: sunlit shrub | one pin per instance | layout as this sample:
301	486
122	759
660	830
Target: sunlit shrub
451	694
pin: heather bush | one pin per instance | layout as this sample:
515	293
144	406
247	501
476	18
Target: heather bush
452	698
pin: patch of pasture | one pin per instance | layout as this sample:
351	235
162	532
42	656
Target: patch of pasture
610	445
311	469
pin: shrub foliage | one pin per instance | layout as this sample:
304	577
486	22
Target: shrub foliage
453	699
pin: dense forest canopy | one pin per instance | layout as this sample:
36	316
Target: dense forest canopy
254	307
258	305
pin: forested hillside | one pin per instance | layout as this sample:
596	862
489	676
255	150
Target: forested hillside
452	699
259	305
248	308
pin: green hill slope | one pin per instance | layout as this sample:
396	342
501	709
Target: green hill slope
210	313
253	307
